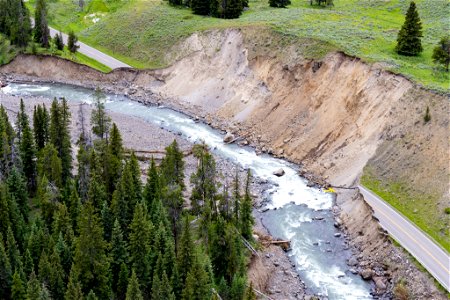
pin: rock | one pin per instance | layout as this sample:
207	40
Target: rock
279	172
316	244
353	271
379	283
229	137
276	264
318	218
352	261
366	274
337	234
280	152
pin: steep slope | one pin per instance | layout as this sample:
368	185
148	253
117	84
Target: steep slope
334	117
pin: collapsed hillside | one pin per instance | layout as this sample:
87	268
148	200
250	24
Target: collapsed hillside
334	117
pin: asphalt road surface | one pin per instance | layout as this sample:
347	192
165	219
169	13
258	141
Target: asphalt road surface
425	250
94	53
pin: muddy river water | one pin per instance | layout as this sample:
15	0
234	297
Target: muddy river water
296	212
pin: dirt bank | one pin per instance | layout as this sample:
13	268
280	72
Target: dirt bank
334	117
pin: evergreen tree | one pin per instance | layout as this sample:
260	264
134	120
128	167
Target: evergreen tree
13	251
33	287
172	166
118	254
173	201
91	296
28	156
115	157
83	158
441	53
246	217
197	285
73	291
41	120
236	197
72	42
186	249
152	190
19	24
18	189
100	120
408	40
201	7
133	291
90	260
140	244
279	3
41	30
204	181
227	9
5	271
59	42
122	282
60	135
50	165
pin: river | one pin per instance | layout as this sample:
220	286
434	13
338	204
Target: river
320	257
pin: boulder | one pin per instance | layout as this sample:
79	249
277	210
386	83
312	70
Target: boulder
229	137
279	172
352	261
379	284
366	274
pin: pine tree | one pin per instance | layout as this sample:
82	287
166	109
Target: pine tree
59	42
140	244
41	120
5	271
90	260
441	53
173	201
204	181
33	287
115	157
13	251
73	291
246	217
100	120
18	189
408	40
41	30
133	291
186	249
72	42
236	197
91	296
50	165
152	190
279	3
197	285
60	135
122	282
20	24
201	7
172	166
83	158
28	156
118	253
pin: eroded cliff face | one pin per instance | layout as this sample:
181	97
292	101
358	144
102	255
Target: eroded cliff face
334	116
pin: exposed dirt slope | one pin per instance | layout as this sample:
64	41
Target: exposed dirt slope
331	116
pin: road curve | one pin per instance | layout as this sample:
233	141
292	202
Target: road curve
94	53
425	250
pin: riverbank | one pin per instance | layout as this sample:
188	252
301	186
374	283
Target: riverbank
284	110
270	271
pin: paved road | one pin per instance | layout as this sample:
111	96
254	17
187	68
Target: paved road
94	53
431	256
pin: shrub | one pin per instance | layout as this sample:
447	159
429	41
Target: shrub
427	117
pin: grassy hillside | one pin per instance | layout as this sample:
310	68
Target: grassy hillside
141	32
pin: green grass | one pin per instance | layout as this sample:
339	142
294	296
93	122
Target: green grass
420	209
75	57
142	32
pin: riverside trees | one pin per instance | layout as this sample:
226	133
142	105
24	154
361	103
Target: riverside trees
120	240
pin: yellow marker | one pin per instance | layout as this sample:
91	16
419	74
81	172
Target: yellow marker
330	190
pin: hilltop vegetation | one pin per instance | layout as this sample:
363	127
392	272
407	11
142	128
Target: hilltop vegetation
141	33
